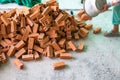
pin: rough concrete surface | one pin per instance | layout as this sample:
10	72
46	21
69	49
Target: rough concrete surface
99	61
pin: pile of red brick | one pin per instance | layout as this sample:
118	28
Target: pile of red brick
43	30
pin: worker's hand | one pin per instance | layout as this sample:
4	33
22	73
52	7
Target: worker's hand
104	8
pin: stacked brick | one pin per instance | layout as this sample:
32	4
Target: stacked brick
43	30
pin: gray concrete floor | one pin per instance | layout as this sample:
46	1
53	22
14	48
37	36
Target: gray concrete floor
99	61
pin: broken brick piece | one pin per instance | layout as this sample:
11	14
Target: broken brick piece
65	56
81	46
18	63
71	44
58	65
11	51
20	45
97	30
20	53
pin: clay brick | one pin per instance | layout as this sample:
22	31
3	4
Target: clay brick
4	50
50	52
67	46
88	26
29	21
30	43
20	53
38	49
23	31
3	29
58	65
81	46
30	51
11	13
55	46
76	35
11	35
82	35
62	42
1	37
35	28
52	34
68	35
61	33
36	55
57	53
8	41
36	7
27	57
11	51
72	19
59	18
45	40
55	8
71	44
61	24
18	63
44	53
3	43
33	35
41	36
5	20
28	28
65	56
35	15
20	45
25	36
43	19
84	31
97	30
18	37
80	13
51	2
23	21
4	59
46	11
13	26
